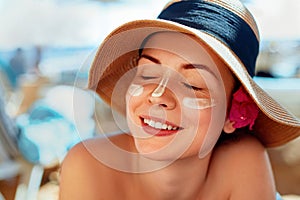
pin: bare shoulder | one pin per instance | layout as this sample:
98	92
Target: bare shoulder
239	146
239	155
244	163
78	154
85	170
74	172
242	153
93	152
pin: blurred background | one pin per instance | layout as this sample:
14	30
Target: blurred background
46	47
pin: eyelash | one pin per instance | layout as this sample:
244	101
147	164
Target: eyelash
184	84
191	87
148	77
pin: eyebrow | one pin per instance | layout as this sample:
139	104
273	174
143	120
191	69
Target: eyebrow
200	66
150	58
185	66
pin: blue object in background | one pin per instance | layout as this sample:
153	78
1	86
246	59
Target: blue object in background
7	71
46	136
48	131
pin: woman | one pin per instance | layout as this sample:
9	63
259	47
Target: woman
194	124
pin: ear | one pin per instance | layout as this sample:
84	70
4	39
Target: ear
228	126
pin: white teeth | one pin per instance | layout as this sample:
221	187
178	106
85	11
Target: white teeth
152	123
159	125
164	126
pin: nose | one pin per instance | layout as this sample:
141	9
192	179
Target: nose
161	95
165	100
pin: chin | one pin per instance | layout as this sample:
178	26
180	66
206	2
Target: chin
167	151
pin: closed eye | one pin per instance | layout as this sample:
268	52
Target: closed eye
148	77
192	87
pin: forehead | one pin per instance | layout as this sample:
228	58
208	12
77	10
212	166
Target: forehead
179	44
187	47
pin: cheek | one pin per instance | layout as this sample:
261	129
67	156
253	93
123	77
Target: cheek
132	104
196	125
133	101
196	119
206	125
135	90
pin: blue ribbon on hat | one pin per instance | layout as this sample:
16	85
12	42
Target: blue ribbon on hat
220	23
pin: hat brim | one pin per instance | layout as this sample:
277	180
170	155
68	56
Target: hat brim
274	126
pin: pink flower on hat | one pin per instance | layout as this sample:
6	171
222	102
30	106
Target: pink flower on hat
243	110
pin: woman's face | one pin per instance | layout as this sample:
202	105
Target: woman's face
177	101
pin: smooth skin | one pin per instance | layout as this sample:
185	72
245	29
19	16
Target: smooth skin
235	169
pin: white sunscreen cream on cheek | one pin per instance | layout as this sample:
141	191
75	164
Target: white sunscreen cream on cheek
135	90
198	103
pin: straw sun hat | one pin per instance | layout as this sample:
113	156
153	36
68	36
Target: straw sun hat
226	27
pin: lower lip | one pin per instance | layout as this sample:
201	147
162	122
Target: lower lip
158	132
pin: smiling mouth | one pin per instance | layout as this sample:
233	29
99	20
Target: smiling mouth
157	128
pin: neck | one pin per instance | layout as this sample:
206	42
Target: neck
183	179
